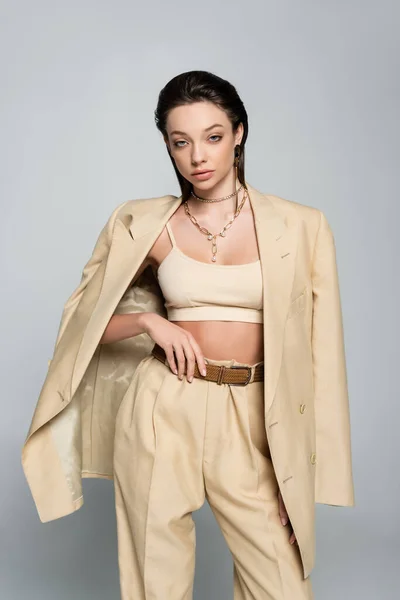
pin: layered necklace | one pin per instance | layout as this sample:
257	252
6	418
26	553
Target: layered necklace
212	237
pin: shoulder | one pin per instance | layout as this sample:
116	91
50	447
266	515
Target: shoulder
293	209
308	216
135	209
138	206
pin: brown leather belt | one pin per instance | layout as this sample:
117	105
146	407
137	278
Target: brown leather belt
235	375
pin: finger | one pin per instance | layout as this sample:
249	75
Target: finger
180	357
190	359
292	538
169	352
201	363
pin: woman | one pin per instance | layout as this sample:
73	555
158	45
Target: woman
202	356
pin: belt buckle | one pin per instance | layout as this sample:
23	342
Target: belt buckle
248	376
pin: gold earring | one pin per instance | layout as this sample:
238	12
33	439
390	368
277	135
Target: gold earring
237	154
237	157
236	163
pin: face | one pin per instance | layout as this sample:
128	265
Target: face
200	137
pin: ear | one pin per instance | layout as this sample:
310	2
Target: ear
239	134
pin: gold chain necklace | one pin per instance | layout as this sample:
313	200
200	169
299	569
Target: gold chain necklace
217	199
210	236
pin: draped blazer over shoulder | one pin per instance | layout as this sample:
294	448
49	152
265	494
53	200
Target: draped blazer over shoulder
306	403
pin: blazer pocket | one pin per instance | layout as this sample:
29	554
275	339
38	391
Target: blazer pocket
297	305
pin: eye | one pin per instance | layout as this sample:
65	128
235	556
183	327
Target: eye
178	143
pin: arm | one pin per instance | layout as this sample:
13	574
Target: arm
334	482
121	327
124	323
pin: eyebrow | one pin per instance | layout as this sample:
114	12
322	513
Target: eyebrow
206	129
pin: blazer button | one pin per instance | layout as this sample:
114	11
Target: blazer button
313	458
302	408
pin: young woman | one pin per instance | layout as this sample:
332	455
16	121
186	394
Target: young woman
202	357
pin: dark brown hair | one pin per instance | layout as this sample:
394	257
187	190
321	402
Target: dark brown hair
201	86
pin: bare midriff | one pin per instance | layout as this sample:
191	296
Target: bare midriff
223	340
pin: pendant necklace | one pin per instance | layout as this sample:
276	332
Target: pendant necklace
212	237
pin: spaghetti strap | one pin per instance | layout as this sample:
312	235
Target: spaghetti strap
171	235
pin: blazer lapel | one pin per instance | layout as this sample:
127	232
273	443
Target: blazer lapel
277	244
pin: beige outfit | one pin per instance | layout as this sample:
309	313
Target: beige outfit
176	444
305	412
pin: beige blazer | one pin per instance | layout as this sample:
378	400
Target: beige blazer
306	398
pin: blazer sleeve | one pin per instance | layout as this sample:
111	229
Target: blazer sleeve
334	478
99	253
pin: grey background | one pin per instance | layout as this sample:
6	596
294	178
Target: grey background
80	80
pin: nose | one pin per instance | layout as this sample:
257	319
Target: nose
198	154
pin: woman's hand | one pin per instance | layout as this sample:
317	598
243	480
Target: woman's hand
175	341
284	517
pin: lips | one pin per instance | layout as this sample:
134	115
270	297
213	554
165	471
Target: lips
202	172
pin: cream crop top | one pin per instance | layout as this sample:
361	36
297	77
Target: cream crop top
197	291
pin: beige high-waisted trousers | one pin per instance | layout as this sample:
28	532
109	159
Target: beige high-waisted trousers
177	443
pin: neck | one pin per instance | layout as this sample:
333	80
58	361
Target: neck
224	209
